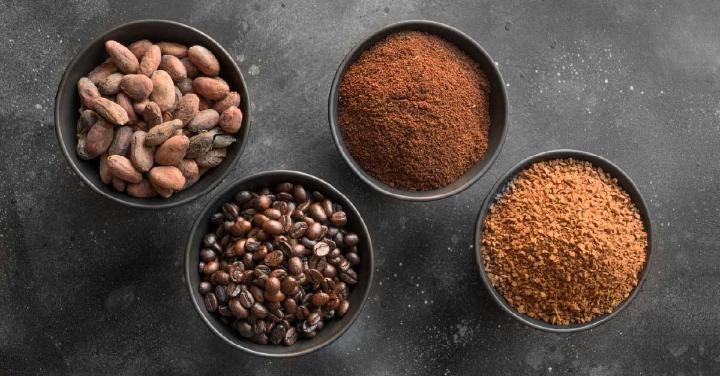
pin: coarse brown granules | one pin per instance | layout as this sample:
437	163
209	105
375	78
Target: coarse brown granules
414	111
564	243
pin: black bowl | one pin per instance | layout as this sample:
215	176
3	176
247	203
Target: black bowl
498	108
623	180
67	103
333	328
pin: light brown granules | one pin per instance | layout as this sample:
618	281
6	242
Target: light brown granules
564	243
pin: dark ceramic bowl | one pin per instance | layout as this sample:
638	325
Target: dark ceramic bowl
333	328
623	180
498	108
67	104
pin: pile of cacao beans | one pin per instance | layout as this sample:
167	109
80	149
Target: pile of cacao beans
157	116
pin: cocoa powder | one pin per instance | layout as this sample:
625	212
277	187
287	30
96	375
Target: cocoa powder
414	111
564	243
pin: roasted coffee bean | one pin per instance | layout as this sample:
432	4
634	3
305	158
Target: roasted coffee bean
237	309
290	336
353	258
252	245
284	187
224	311
244	329
307	243
319	299
298	230
321	249
243	196
211	267
288	286
351	239
338	219
313	231
343	308
285	248
272	285
281	206
275	297
207	255
339	238
220	294
290	306
317	213
272	213
299	250
349	276
262	202
259	218
327	207
333	302
205	287
279	273
273	227
295	265
231	211
232	290
277	334
257	293
317	196
209	239
329	271
246	298
211	302
220	277
274	259
299	193
314	276
258	310
248	261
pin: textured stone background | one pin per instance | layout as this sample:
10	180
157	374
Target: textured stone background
91	287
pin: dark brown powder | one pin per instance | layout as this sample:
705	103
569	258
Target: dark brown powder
564	243
414	111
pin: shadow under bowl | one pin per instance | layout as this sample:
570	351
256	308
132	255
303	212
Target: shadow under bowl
498	108
334	328
624	182
67	104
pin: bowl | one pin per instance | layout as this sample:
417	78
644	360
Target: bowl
498	108
623	180
333	328
67	103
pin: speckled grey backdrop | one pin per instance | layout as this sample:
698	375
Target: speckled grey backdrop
91	287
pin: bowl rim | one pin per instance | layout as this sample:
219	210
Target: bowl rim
377	185
72	158
202	220
597	161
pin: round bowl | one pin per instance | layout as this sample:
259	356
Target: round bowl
67	103
333	328
623	180
498	108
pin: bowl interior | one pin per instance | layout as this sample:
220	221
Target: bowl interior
67	104
333	328
498	108
623	180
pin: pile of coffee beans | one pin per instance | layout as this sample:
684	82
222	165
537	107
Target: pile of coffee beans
278	264
156	116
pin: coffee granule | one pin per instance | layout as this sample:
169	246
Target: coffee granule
414	111
564	243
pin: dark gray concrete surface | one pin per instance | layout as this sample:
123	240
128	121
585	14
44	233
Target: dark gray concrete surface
90	287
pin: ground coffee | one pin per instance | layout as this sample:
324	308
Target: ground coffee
414	111
564	243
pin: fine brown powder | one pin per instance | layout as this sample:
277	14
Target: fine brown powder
414	111
564	243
